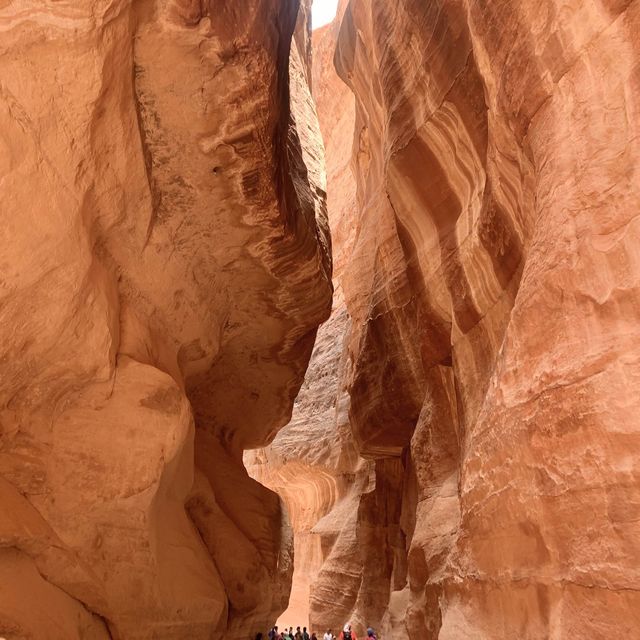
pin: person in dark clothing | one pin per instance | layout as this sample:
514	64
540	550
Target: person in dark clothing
305	635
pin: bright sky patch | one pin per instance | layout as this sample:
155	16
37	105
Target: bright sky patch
323	12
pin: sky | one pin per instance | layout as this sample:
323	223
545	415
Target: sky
324	11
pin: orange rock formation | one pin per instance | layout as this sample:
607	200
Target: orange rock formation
492	286
165	264
313	462
463	458
494	300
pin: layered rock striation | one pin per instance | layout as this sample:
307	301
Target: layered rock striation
313	463
490	278
165	264
462	459
493	294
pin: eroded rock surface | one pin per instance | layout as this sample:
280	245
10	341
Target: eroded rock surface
491	281
165	264
462	461
494	298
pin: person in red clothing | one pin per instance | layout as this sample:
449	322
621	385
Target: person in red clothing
347	633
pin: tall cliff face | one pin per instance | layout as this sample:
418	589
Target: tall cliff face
494	302
462	460
490	280
165	264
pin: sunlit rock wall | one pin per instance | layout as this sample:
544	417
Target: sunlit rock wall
492	287
165	264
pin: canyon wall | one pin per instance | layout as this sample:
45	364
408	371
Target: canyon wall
462	460
490	283
165	264
493	290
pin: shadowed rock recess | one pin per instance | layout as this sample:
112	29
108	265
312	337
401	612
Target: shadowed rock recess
462	461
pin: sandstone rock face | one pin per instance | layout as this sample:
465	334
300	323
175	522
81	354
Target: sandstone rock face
493	290
462	460
491	362
165	264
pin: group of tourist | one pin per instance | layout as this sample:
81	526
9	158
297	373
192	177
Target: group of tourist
346	634
289	634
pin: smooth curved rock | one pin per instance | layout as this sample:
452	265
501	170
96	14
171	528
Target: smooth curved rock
491	280
165	264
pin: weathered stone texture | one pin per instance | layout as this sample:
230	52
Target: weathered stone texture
165	264
491	280
493	291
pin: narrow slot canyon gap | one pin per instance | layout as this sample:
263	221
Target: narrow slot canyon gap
319	314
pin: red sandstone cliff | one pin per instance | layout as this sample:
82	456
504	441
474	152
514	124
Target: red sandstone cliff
462	460
494	296
165	264
490	277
